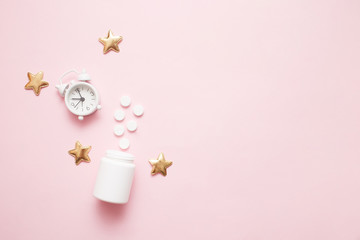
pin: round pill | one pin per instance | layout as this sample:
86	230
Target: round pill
119	130
138	110
124	143
131	125
125	101
119	115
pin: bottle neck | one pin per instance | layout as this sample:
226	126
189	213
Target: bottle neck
121	156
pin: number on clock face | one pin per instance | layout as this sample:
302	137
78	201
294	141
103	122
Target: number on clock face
82	100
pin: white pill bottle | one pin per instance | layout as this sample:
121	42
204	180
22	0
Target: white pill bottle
115	177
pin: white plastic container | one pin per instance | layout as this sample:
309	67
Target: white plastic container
115	176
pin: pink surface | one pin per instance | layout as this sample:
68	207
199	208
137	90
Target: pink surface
255	102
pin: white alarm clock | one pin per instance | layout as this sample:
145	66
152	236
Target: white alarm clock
81	98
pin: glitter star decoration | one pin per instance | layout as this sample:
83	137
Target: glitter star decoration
111	42
159	165
36	82
80	153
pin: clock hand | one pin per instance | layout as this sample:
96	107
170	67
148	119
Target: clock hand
77	104
78	91
76	99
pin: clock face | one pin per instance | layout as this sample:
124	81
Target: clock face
82	99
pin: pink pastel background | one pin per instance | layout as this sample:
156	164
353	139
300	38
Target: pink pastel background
255	102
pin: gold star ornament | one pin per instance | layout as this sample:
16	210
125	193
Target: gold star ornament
159	165
80	153
111	42
36	82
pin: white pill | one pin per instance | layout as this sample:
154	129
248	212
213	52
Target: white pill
131	125
119	130
124	143
125	101
119	115
138	110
